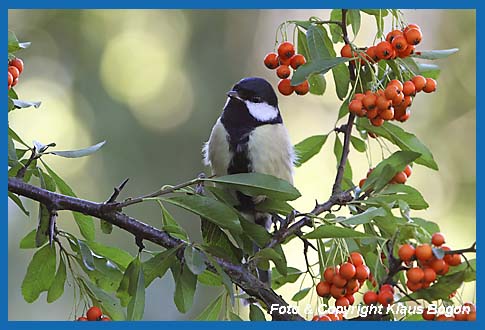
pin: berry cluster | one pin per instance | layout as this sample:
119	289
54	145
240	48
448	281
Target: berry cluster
283	62
385	296
391	103
94	314
329	317
460	316
398	43
400	177
342	282
422	274
15	68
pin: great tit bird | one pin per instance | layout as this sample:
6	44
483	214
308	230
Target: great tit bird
250	136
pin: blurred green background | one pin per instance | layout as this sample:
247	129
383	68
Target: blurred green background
152	83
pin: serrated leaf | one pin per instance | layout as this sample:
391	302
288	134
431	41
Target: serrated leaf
329	231
255	313
308	148
40	273
57	288
194	259
255	184
16	199
358	144
109	305
278	280
301	294
210	209
117	255
84	222
185	284
80	152
435	54
212	311
321	66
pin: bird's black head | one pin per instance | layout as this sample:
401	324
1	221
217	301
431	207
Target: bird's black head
252	102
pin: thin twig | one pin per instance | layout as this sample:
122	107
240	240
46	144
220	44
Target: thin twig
116	192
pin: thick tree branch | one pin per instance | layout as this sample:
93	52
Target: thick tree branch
238	273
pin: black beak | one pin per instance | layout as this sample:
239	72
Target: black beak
234	95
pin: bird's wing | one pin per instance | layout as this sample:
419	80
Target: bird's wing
216	151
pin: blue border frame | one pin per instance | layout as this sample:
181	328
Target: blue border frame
247	4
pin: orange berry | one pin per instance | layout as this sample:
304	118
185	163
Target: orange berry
386	287
369	101
384	50
339	281
391	91
283	71
471	306
383	103
371	54
325	318
406	252
355	106
284	87
323	289
342	301
424	252
430	85
444	318
337	292
350	298
408	88
371	114
359	96
415	275
428	316
286	50
284	61
94	313
411	26
429	275
297	60
472	316
352	286
377	121
402	113
347	270
438	239
398	100
346	51
460	316
396	83
315	318
400	178
370	297
15	82
18	63
361	183
302	88
406	52
362	272
105	318
393	34
10	79
399	43
408	170
387	114
385	297
413	36
439	266
82	318
329	274
453	259
271	61
14	72
414	286
419	82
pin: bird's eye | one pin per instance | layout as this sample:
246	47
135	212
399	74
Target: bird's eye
256	99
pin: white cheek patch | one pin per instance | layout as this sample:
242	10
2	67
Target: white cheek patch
262	111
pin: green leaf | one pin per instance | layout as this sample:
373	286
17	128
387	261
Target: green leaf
57	288
129	282
14	44
341	76
12	154
301	294
158	265
364	217
329	231
210	209
335	30
185	284
387	168
255	184
212	311
316	36
170	225
20	104
358	144
106	275
440	290
40	273
403	139
44	216
435	54
234	317
194	259
209	278
308	148
353	15
396	192
28	242
255	313
80	152
117	255
15	136
470	270
84	222
338	150
429	70
106	227
429	226
271	254
278	280
136	306
315	66
344	109
225	278
410	63
16	199
86	254
108	303
274	206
